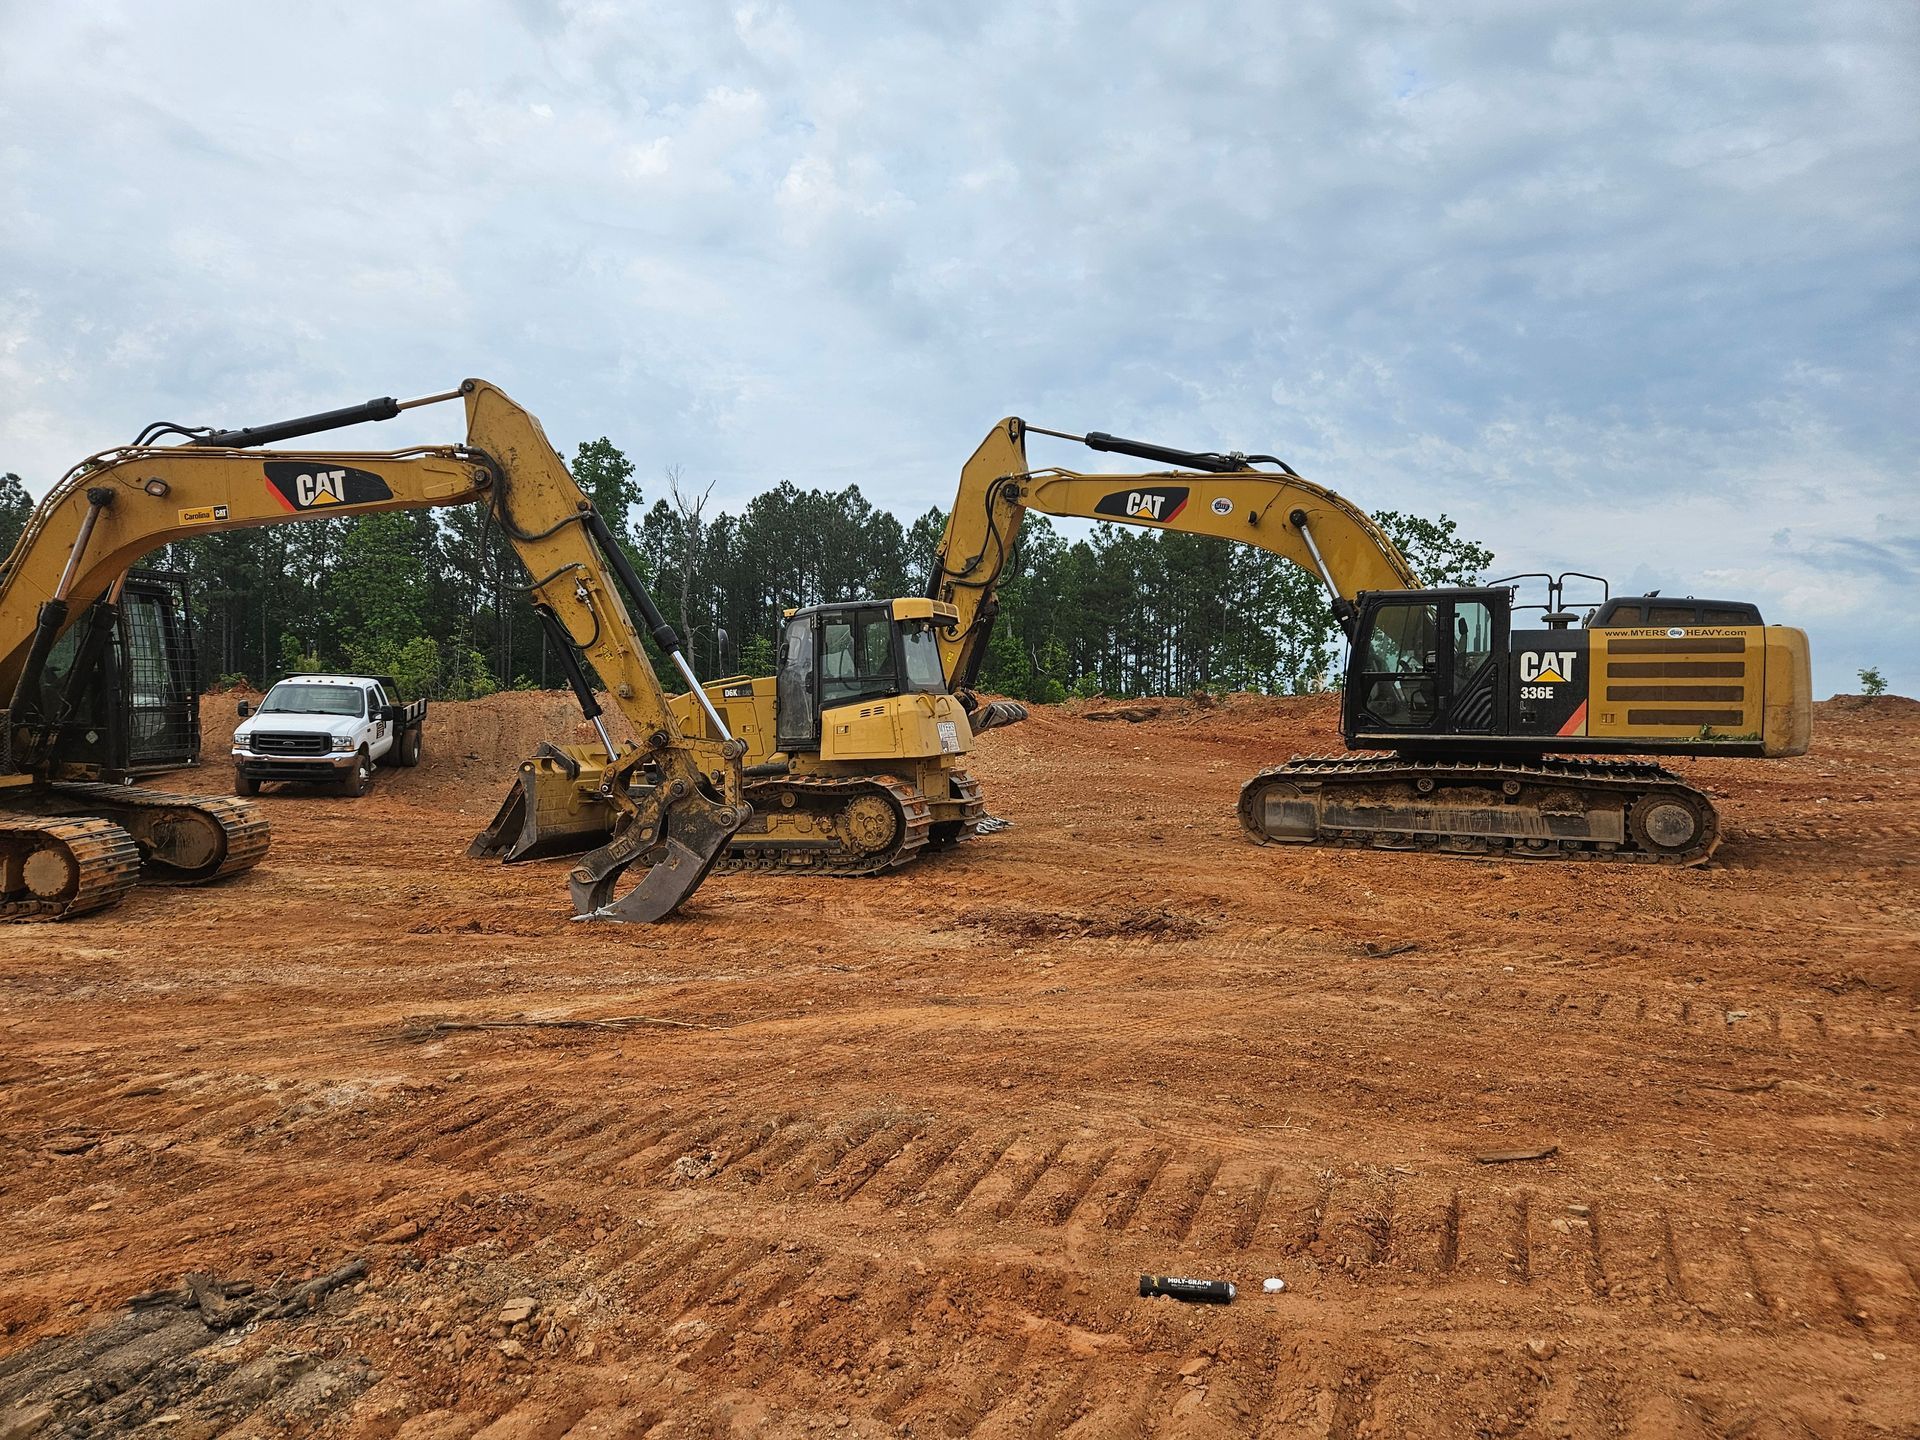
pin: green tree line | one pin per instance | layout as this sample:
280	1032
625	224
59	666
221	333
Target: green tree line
432	597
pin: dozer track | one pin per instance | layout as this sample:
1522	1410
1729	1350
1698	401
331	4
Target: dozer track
183	839
831	826
1538	809
53	867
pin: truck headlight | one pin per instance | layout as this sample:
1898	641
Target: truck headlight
343	743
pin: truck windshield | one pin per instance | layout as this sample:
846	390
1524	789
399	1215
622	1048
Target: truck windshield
313	700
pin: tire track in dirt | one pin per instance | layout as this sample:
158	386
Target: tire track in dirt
947	1117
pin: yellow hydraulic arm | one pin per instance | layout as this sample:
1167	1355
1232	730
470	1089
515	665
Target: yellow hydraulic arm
1221	495
113	509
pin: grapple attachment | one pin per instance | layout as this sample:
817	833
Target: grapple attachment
677	836
557	807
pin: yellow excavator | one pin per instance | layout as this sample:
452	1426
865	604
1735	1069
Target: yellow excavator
73	840
1470	721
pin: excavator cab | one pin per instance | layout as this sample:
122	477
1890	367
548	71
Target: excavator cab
119	696
1426	663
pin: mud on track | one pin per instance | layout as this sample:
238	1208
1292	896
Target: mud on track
905	1176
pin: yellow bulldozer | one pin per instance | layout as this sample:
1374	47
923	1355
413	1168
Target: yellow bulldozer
854	751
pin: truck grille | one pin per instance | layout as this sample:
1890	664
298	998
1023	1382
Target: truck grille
280	744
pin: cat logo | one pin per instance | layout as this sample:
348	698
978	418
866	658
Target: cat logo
1156	506
302	485
322	487
1546	667
203	514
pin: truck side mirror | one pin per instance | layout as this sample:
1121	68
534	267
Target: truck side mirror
243	709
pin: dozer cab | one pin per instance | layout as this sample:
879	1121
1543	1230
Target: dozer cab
855	751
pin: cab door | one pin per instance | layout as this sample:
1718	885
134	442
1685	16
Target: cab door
796	688
1428	663
380	728
1477	643
1394	675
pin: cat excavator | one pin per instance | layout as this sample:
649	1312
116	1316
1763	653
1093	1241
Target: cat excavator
75	838
1477	734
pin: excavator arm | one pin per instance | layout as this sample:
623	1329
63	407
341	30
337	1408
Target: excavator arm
1221	495
113	509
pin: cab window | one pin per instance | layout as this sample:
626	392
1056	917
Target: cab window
1402	640
798	720
1472	640
856	658
921	650
1400	684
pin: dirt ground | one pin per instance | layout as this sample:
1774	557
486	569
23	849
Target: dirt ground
887	1157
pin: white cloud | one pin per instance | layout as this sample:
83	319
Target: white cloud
1626	287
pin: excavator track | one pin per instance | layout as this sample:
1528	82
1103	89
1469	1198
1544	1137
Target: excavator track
55	867
183	839
830	826
1554	809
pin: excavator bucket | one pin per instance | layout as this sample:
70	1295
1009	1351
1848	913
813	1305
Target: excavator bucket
552	808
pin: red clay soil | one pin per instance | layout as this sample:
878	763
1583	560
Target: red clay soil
887	1157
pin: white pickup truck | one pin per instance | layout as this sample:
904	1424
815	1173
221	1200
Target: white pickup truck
325	727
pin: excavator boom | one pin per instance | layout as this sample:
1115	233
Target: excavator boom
1314	528
118	506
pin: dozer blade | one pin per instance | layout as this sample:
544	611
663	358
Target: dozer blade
553	808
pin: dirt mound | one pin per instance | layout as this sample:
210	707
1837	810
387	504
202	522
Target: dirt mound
1894	710
1234	707
505	729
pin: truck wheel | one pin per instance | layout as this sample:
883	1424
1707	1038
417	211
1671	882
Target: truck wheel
357	779
406	751
245	784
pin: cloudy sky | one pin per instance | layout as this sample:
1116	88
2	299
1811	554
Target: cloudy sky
1627	287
